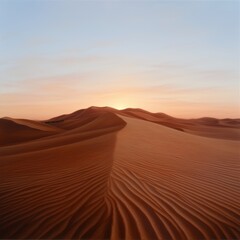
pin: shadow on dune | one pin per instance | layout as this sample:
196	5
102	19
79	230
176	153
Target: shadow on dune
14	133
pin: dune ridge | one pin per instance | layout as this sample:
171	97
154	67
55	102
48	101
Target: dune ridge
206	126
12	132
108	174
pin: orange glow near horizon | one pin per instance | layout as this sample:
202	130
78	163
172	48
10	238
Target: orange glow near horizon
43	112
126	55
52	97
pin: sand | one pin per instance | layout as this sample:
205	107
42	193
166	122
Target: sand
100	173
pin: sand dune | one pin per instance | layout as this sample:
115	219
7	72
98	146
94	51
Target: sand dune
209	127
108	174
39	125
12	132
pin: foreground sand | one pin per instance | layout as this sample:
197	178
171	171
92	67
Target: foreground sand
103	174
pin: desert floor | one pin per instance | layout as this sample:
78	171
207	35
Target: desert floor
101	173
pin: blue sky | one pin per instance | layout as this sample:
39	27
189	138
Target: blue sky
177	57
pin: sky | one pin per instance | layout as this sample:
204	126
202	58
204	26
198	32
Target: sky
177	57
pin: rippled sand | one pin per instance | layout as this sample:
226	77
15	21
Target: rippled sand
100	173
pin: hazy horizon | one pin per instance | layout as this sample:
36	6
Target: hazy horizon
178	57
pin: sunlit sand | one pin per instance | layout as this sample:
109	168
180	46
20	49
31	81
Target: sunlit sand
101	173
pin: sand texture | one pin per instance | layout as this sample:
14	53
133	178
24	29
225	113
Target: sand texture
101	173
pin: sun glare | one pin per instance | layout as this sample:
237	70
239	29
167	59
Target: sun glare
119	106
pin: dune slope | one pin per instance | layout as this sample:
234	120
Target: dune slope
108	176
13	132
172	185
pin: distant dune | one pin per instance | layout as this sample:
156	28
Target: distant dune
102	173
